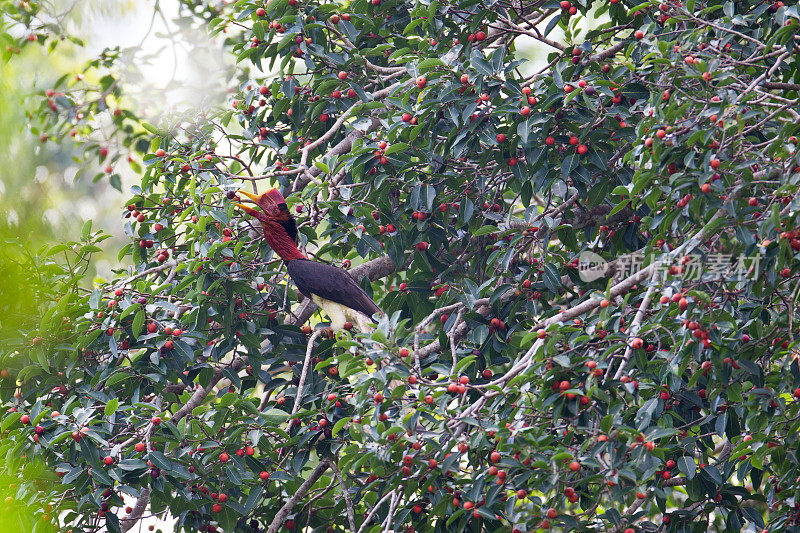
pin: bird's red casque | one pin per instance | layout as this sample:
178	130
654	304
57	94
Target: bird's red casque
275	215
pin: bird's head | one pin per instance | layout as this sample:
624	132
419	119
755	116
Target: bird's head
273	213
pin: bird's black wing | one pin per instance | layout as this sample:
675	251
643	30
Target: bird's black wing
330	283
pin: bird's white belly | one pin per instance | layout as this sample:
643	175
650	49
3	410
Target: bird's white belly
339	314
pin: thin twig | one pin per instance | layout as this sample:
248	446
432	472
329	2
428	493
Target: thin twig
298	397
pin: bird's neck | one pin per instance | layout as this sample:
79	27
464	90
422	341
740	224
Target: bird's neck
282	244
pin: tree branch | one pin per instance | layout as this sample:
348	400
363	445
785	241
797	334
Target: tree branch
636	325
309	348
284	511
347	500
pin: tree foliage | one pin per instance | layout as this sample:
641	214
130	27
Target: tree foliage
503	389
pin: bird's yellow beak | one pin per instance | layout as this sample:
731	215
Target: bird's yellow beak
252	212
254	197
269	202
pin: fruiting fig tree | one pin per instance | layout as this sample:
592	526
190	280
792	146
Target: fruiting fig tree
588	269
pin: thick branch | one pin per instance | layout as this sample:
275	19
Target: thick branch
126	524
636	325
284	511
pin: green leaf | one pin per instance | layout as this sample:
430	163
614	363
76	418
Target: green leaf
275	417
464	363
568	165
58	248
152	129
485	230
478	62
339	425
687	466
138	323
111	407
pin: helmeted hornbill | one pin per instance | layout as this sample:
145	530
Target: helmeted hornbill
330	287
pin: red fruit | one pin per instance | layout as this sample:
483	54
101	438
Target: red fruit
216	508
432	463
550	141
139	447
521	494
494	457
264	475
160	152
406	117
786	272
525	111
108	460
565	5
501	138
342	75
223	457
261	12
552	513
715	163
574	466
249	450
156	420
421	82
25	419
638	35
